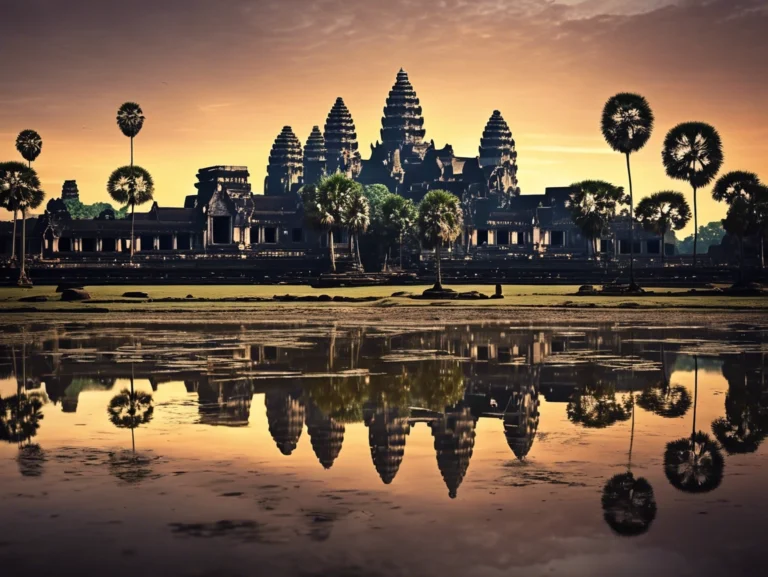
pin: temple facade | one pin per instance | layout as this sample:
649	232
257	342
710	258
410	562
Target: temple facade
226	216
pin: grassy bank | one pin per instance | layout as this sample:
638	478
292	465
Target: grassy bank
219	298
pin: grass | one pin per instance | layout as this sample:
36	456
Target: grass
515	296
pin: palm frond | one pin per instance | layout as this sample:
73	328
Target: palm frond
440	217
663	211
735	184
693	152
29	144
131	185
130	119
627	122
20	186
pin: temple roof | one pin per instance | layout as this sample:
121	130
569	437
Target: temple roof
286	150
402	122
285	416
497	141
454	434
340	135
326	436
386	437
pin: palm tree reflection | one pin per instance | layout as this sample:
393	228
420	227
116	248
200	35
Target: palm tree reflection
629	506
595	405
695	464
130	409
663	399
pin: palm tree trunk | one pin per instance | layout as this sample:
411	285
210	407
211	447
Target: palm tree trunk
357	250
695	228
695	391
439	275
133	219
333	252
762	250
13	240
131	151
401	250
741	258
22	270
662	251
631	227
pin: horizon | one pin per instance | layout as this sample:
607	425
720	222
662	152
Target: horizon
252	67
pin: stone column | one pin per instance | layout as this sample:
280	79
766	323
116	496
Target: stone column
175	242
99	245
191	241
137	240
118	245
156	243
55	244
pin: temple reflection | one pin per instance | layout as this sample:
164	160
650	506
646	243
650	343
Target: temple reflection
445	378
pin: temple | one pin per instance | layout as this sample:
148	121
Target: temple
225	217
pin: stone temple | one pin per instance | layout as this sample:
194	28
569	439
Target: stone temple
226	217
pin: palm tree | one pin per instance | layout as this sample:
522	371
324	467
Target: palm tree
695	464
324	204
593	206
30	145
738	222
734	185
627	123
440	221
356	217
662	212
130	409
22	186
693	152
130	119
131	186
594	404
399	215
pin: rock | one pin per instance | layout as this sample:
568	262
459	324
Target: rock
34	299
401	294
136	295
64	286
472	296
189	297
587	289
499	294
75	295
324	298
439	293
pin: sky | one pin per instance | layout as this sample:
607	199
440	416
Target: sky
218	79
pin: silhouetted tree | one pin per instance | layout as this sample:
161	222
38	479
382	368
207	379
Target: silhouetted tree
594	404
440	220
629	505
399	215
131	186
693	152
24	193
29	144
130	120
356	218
627	123
662	212
131	409
593	204
695	464
737	222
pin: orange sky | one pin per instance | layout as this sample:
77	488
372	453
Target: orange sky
218	80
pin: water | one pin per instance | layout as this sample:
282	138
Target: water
488	450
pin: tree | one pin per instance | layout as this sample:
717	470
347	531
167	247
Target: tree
708	235
130	409
737	184
694	464
440	221
79	211
131	186
22	186
356	217
324	204
662	212
693	152
627	123
592	204
30	145
130	120
399	215
738	222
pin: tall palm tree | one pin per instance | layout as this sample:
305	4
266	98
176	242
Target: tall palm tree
22	185
131	186
356	217
662	212
627	123
440	221
130	120
693	152
399	215
694	464
738	222
593	204
746	189
324	204
30	145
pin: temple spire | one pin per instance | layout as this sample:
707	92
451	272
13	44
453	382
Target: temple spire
498	157
341	141
285	168
315	157
403	122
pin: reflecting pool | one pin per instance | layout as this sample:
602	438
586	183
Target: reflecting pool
284	449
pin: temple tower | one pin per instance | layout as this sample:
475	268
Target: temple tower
387	431
454	435
341	141
498	157
285	168
69	190
315	157
402	123
285	416
326	435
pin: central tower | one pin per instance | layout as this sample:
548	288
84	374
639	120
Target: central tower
403	123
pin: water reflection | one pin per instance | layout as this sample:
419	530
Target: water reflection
392	380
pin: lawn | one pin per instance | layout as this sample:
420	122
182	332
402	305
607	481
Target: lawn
515	296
